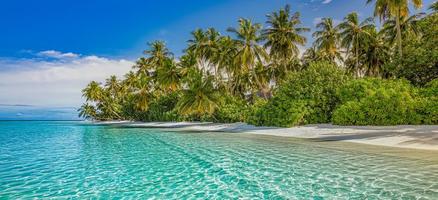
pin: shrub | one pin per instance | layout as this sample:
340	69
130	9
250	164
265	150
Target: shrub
356	89
380	107
162	108
308	96
232	109
372	101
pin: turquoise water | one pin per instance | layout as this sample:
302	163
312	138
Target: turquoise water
70	160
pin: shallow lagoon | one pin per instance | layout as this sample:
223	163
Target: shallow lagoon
74	160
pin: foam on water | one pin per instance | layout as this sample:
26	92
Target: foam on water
70	160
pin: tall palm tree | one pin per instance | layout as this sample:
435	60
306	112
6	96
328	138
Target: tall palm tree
376	54
327	40
284	35
354	35
249	51
397	9
408	27
158	53
203	45
201	97
223	58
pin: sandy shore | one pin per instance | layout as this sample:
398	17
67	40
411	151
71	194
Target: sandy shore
407	136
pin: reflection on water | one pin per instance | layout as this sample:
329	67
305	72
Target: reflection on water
65	159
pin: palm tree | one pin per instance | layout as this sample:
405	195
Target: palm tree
158	53
434	7
354	35
168	76
249	51
201	97
284	35
93	92
223	59
397	9
203	45
376	54
327	40
87	111
408	27
141	94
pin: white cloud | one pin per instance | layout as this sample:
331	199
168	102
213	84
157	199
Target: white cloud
54	82
326	1
56	54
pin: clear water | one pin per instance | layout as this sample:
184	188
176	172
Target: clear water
69	160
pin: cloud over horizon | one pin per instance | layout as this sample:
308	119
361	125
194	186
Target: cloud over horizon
56	80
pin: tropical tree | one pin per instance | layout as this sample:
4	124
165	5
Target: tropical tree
434	7
327	40
249	51
203	45
354	35
284	36
408	27
158	53
168	76
87	111
376	54
93	92
201	97
395	9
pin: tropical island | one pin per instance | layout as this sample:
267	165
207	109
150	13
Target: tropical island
260	111
355	73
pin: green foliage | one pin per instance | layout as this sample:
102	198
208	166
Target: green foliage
374	101
419	63
162	108
232	109
357	89
305	97
380	107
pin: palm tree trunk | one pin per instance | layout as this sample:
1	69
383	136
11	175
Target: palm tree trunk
357	57
399	36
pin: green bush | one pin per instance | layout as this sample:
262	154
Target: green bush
162	108
356	89
232	109
372	101
380	107
308	96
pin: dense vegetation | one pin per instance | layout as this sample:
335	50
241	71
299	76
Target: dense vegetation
354	73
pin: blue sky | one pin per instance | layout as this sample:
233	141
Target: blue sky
49	49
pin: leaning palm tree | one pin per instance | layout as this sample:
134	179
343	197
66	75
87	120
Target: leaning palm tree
249	51
327	40
87	111
284	35
354	35
200	97
408	26
396	9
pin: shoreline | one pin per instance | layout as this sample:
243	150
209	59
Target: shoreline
423	137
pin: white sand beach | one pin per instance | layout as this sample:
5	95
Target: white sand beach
423	137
